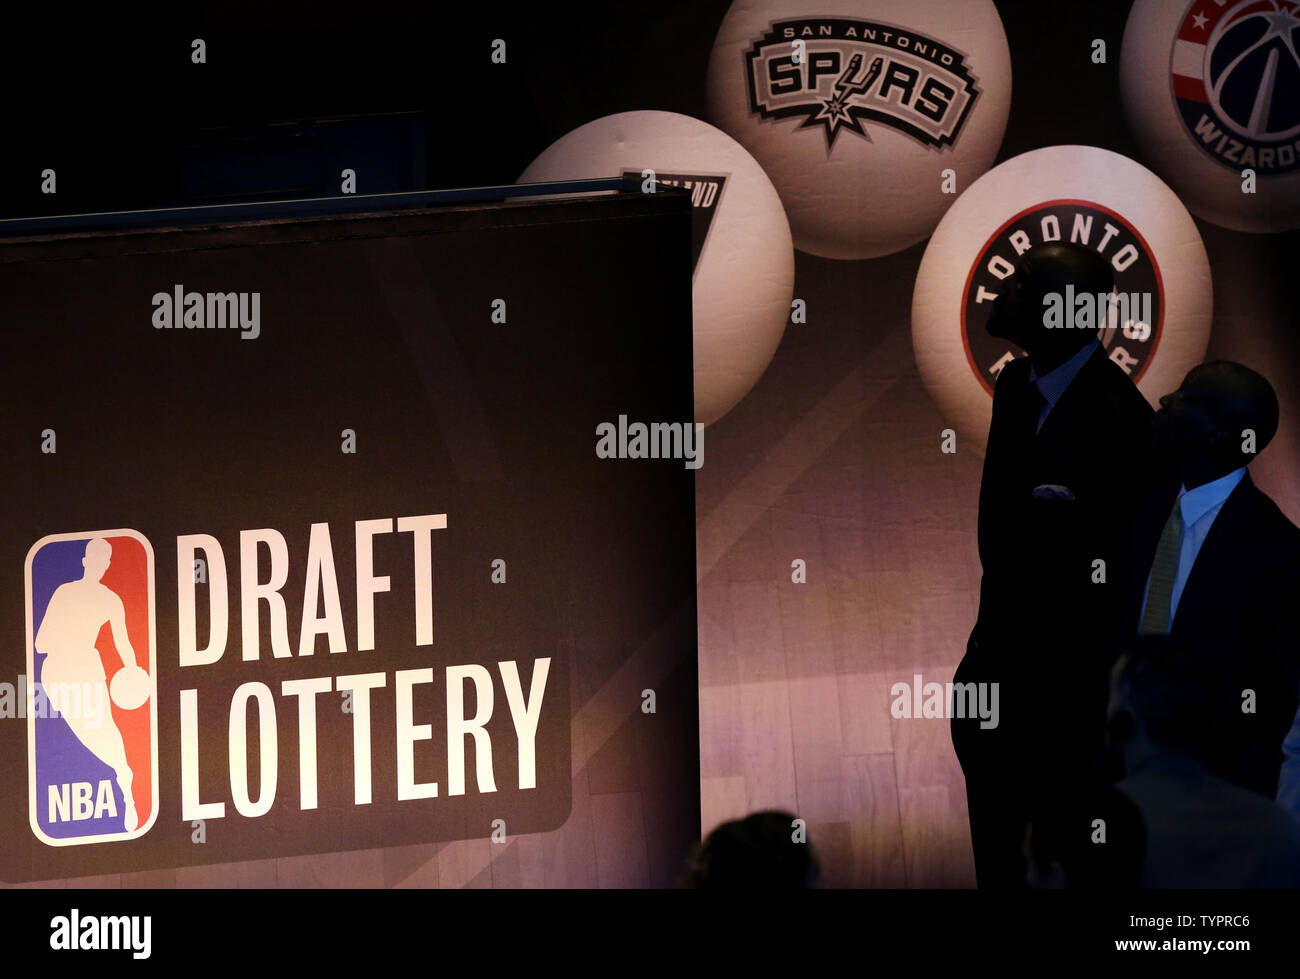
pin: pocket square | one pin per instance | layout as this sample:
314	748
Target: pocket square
1050	491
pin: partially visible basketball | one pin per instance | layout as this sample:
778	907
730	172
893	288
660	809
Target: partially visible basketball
129	687
1212	90
744	259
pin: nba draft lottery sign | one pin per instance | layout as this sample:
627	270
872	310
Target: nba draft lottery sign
93	744
856	107
235	635
1212	89
1157	322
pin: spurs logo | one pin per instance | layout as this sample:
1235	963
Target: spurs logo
840	73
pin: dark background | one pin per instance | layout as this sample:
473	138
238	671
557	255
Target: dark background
886	524
406	95
125	118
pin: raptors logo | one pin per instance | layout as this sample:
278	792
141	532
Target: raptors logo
1130	340
839	72
1236	81
1155	324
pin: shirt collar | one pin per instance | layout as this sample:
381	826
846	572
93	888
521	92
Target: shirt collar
1053	384
1196	503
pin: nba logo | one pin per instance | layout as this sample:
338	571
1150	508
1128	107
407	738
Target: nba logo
92	717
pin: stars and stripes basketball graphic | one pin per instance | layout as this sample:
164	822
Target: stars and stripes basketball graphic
1236	81
92	721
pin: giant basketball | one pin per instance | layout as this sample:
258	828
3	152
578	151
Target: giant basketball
856	108
1083	194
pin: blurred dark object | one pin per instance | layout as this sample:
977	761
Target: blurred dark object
755	853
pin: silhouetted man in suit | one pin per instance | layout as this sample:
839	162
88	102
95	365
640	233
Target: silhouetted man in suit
1219	567
1068	434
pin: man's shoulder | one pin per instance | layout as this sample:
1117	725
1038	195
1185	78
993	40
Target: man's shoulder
1268	818
1016	372
1265	542
1269	519
1115	383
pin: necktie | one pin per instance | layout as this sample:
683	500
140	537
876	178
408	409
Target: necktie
1160	593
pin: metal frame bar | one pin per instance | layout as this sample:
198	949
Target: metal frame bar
312	206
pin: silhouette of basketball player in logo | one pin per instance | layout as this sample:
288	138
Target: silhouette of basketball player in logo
77	611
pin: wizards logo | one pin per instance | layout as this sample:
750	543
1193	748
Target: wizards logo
839	73
91	717
1236	81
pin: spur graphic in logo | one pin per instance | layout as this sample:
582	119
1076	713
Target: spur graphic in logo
706	197
839	72
92	723
1130	343
1236	81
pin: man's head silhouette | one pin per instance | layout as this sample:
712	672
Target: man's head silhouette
757	853
1203	427
1018	311
99	554
1162	698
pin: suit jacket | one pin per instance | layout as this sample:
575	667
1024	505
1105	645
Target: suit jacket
1237	612
1037	554
1045	629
